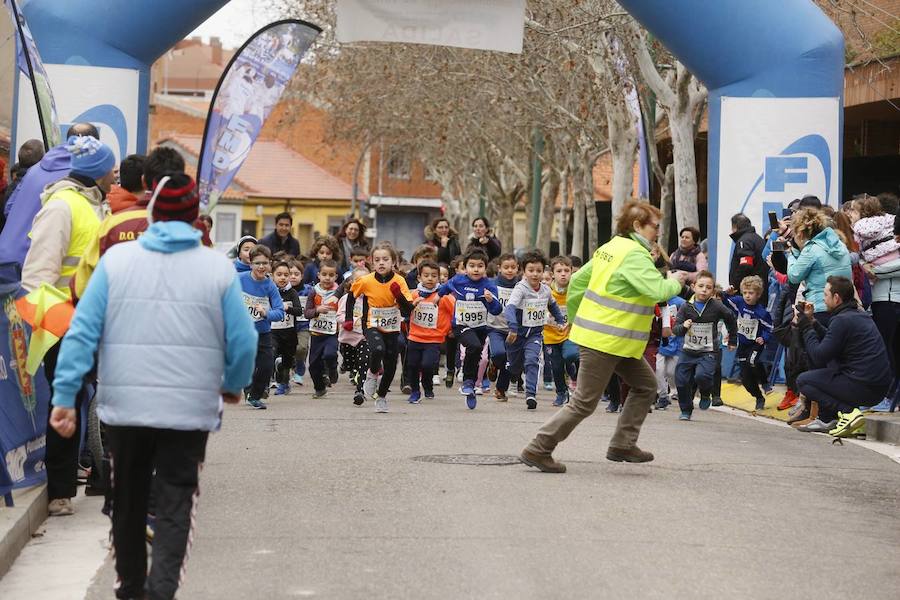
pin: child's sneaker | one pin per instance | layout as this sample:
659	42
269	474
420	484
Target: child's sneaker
429	394
500	396
561	399
612	407
405	388
485	386
370	385
320	393
479	391
531	403
704	402
492	371
381	404
789	400
717	401
448	380
358	398
467	388
282	389
415	397
662	403
298	379
255	403
684	416
520	387
760	403
548	385
333	375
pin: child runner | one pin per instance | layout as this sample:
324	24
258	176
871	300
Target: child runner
475	296
754	326
385	302
353	343
697	321
506	280
244	246
451	344
526	314
422	253
325	247
359	259
301	322
667	357
428	326
560	354
262	299
284	332
321	310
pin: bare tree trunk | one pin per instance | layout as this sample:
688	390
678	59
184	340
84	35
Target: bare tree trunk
561	220
623	146
590	206
666	204
550	193
578	216
504	218
681	125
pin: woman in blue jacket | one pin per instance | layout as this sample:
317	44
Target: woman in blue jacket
818	254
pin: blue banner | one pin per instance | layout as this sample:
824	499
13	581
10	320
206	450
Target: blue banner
24	399
29	62
249	89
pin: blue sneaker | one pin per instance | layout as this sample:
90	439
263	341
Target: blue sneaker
415	397
705	401
561	399
471	400
684	416
298	379
256	403
486	386
662	403
467	388
282	389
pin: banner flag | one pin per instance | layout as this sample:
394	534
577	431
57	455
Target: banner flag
480	24
248	90
28	59
49	312
25	398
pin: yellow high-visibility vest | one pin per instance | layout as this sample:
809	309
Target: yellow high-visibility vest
618	325
85	226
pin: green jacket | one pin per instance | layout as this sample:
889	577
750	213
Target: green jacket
636	277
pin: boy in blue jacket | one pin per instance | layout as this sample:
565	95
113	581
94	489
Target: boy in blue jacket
264	303
476	296
754	327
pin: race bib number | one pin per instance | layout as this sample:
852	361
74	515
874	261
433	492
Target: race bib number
357	317
700	337
251	302
426	315
534	313
551	320
325	324
385	319
470	313
303	305
748	327
287	322
503	295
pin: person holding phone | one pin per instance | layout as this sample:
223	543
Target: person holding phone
747	259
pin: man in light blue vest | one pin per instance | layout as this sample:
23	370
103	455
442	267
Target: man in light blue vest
174	339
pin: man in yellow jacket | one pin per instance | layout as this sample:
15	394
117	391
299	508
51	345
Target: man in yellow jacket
63	228
611	305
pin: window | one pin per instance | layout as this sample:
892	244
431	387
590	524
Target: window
268	225
398	165
247	228
224	228
335	224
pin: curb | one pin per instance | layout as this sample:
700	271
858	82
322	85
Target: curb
18	524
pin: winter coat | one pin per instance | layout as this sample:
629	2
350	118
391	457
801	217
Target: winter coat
689	262
747	258
120	199
447	253
25	203
289	245
492	247
821	257
875	236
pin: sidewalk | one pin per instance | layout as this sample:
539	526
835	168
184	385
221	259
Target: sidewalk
19	522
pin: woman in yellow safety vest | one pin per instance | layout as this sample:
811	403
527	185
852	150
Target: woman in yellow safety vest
612	298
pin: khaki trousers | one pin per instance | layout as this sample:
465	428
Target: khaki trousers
593	376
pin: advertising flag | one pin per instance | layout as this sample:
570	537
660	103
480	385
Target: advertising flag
495	25
249	89
28	60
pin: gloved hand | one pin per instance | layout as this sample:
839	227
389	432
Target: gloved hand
348	325
395	290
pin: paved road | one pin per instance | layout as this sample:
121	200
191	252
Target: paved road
318	498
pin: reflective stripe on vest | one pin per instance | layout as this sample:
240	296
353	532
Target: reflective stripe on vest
617	325
85	227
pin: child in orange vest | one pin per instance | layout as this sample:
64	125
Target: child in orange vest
428	327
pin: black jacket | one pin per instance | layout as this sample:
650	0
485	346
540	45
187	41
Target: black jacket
713	312
290	245
747	258
491	248
851	344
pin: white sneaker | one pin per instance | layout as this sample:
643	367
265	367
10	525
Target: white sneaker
381	405
370	385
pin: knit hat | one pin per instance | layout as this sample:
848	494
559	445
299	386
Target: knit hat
244	240
90	157
174	199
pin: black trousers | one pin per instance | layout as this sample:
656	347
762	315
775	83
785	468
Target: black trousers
422	359
285	342
384	351
836	392
176	457
753	372
323	351
265	363
473	341
61	454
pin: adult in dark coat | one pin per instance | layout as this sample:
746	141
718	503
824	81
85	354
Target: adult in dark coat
352	236
747	258
281	239
444	238
483	239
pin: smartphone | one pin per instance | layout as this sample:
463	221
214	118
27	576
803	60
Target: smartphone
786	213
773	220
779	246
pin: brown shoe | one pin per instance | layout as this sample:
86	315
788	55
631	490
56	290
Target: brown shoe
632	455
61	507
500	396
806	417
543	462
